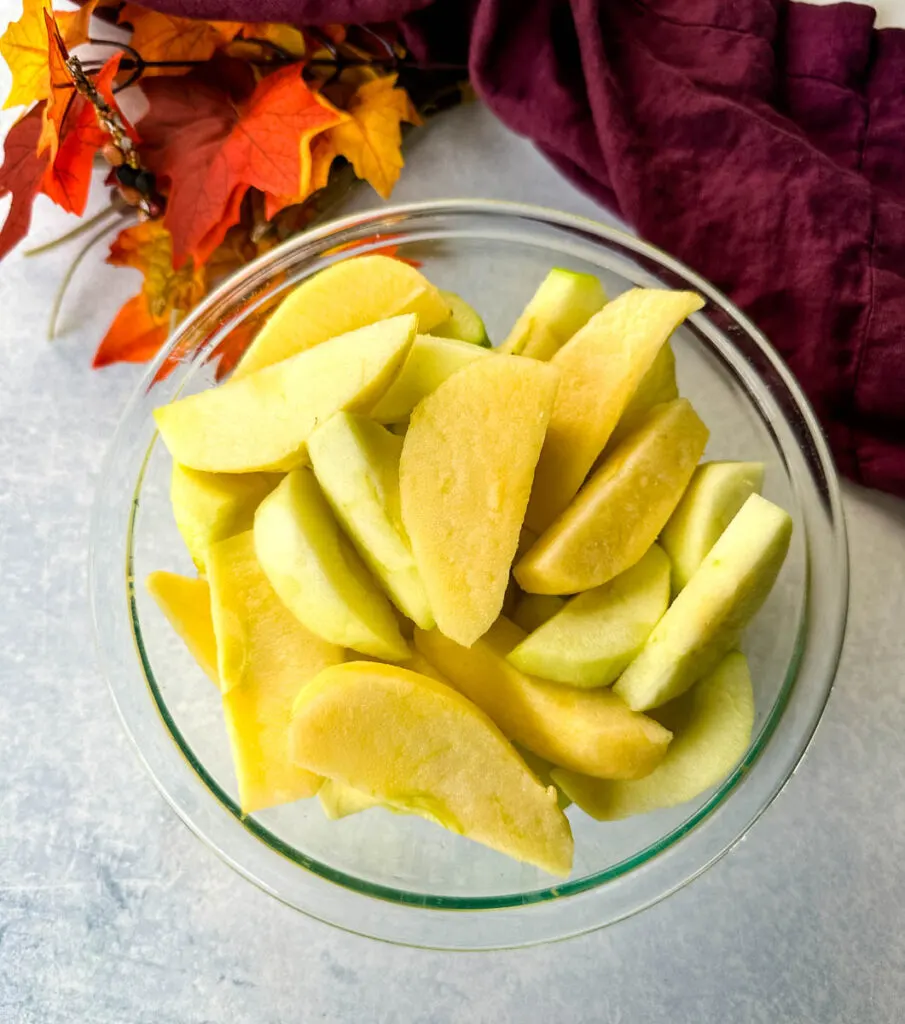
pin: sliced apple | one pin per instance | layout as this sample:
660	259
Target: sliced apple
463	323
317	574
356	462
429	363
714	738
465	475
339	800
345	297
417	744
601	367
262	421
562	304
592	639
211	506
265	655
658	385
716	492
589	731
533	610
621	509
186	603
706	620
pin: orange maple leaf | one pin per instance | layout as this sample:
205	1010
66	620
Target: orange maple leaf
62	93
67	179
166	37
209	149
144	322
370	138
24	48
20	177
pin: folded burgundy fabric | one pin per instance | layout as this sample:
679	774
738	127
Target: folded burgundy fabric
761	142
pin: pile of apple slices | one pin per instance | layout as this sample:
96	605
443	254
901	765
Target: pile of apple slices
366	504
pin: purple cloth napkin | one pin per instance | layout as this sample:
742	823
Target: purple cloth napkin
761	142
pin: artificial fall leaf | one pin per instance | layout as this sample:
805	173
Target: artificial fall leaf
316	156
62	92
67	179
144	322
370	138
288	38
24	48
165	37
207	148
20	176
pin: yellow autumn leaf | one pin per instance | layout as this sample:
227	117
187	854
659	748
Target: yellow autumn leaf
24	48
371	136
287	37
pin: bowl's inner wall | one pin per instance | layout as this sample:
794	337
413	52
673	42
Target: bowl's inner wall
405	855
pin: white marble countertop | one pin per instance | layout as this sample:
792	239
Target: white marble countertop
111	912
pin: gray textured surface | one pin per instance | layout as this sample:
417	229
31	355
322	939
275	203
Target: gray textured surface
112	913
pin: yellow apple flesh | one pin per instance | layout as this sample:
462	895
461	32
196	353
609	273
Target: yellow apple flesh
706	620
592	639
186	603
589	731
619	512
262	421
465	475
601	367
657	386
317	574
533	610
712	740
418	745
345	297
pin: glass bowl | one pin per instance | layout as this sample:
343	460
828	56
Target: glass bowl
399	878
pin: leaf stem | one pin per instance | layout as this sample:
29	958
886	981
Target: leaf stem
76	232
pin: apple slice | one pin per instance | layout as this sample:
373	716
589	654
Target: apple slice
562	304
356	462
533	610
599	632
417	744
465	475
621	509
345	297
706	620
265	655
211	506
716	492
429	363
658	385
463	323
262	421
317	574
186	603
601	367
714	738
589	731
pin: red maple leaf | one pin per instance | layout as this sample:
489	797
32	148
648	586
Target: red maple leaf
20	176
68	179
209	149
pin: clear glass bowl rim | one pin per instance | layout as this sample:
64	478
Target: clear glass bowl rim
471	917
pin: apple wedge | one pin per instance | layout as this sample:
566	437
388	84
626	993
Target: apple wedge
713	739
430	361
210	506
345	297
186	603
265	655
467	464
533	610
658	385
621	509
562	304
262	421
317	574
589	731
716	492
463	323
601	367
592	639
356	462
706	620
418	745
